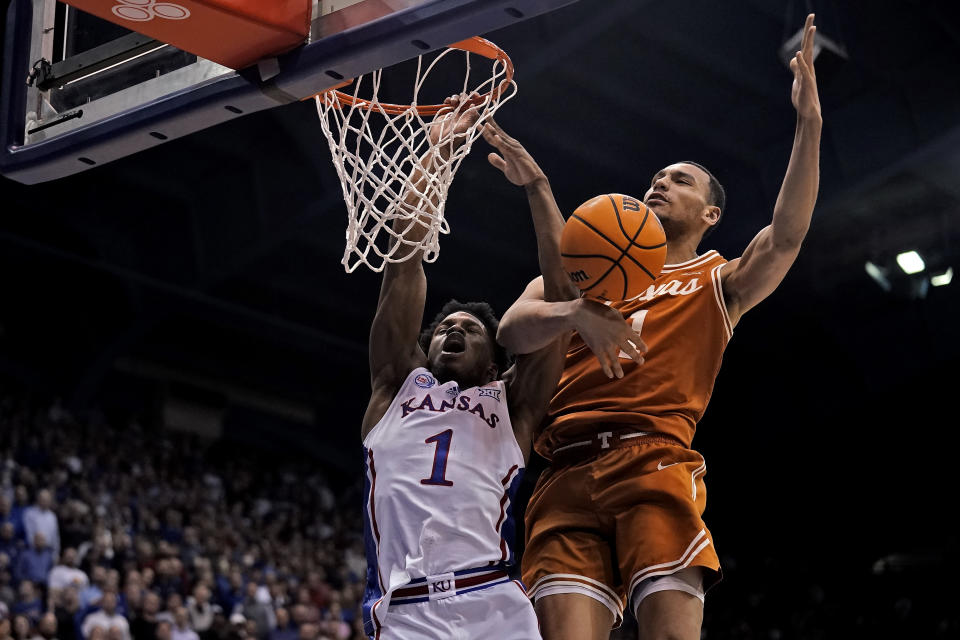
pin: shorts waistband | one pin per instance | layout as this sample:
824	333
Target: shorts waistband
448	584
608	437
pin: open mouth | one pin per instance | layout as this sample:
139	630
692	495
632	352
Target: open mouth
656	197
454	343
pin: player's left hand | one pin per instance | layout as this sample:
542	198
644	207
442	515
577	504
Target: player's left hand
804	95
514	161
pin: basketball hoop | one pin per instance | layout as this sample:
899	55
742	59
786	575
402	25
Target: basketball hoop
376	157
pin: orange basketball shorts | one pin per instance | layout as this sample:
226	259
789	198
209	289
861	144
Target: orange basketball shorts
601	526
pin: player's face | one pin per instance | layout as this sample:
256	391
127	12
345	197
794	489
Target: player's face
679	194
460	350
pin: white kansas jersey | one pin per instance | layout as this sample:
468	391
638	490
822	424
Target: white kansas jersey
442	468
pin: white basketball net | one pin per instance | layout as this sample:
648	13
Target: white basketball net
376	153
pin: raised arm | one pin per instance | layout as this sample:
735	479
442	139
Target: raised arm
393	347
755	275
532	380
519	167
551	307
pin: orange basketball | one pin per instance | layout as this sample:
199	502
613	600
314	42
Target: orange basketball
613	247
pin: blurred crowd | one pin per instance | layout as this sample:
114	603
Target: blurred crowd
111	533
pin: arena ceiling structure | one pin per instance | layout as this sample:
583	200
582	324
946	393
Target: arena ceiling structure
206	272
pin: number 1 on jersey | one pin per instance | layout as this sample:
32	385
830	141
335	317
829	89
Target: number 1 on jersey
636	323
439	459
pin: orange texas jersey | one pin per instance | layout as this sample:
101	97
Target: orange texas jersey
683	320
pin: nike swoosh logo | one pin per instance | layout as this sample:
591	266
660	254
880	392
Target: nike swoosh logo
661	466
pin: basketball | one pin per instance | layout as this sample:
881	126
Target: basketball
613	247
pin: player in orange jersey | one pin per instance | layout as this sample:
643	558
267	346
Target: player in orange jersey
617	518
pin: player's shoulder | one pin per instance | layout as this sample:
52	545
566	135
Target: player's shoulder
710	258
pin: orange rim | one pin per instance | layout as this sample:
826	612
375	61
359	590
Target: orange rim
476	44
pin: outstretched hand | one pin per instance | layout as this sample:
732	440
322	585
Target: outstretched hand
514	161
604	330
803	94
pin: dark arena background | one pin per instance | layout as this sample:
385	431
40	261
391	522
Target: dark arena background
183	359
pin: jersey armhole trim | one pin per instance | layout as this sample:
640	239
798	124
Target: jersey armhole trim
396	399
718	297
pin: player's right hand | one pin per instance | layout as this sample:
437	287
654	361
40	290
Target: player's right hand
604	330
514	161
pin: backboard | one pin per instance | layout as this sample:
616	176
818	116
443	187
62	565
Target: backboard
78	91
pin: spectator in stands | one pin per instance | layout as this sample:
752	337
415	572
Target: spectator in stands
47	627
35	562
107	618
285	629
231	589
309	631
21	627
181	626
40	518
94	589
147	576
123	552
333	624
28	603
17	509
238	627
75	523
130	602
144	626
5	627
9	545
7	592
167	582
132	505
164	630
7	517
256	610
201	610
174	602
66	573
67	611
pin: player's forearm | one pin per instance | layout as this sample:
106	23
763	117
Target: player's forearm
420	202
798	195
530	325
548	224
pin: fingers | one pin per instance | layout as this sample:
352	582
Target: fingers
806	45
605	365
497	161
493	126
491	136
616	368
634	348
494	138
802	67
499	132
631	352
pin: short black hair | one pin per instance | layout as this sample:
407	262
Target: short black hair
483	312
717	196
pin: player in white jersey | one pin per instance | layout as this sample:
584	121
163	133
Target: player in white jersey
445	439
